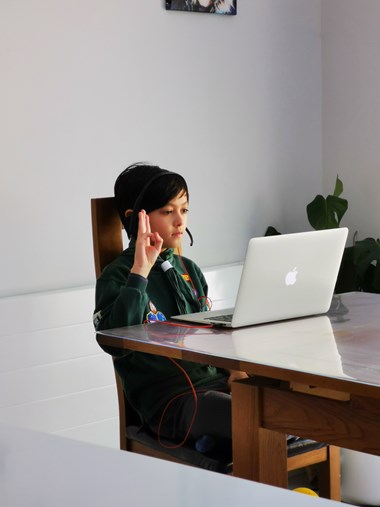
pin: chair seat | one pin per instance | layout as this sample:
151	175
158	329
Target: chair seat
215	461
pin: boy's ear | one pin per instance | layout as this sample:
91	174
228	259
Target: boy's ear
128	213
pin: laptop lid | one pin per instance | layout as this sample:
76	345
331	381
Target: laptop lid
284	277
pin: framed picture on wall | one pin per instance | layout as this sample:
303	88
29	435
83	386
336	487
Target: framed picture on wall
210	6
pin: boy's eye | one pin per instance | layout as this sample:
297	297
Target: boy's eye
170	211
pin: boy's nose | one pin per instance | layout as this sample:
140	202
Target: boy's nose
178	218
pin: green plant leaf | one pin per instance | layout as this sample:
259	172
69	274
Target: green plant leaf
338	187
337	207
326	213
271	231
347	277
367	261
376	279
316	212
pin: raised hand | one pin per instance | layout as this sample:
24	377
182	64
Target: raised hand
148	247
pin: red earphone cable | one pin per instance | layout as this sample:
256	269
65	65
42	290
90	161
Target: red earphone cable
175	446
208	301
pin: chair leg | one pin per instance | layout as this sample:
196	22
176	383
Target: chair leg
329	475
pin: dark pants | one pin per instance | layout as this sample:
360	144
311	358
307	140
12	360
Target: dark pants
212	416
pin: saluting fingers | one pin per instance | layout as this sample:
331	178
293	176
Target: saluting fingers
142	223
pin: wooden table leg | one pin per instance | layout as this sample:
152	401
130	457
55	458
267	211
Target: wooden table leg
258	454
329	475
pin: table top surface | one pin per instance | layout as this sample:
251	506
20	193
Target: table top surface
45	470
339	350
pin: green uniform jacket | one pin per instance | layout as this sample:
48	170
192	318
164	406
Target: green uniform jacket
122	299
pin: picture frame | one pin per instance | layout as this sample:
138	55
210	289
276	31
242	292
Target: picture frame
225	7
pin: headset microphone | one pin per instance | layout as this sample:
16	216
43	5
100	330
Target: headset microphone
190	236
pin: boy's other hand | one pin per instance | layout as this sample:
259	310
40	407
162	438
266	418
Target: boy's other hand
236	375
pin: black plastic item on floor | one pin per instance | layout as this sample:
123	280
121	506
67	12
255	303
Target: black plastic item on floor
298	445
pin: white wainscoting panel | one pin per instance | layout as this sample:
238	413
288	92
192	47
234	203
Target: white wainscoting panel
223	284
54	377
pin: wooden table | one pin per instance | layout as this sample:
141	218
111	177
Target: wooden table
317	377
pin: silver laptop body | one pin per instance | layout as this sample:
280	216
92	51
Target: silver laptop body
283	277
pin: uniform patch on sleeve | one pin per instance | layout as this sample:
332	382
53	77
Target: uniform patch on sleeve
97	317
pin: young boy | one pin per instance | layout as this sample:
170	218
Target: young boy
150	282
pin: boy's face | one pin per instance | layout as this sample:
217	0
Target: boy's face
170	221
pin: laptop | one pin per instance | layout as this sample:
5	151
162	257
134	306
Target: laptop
283	277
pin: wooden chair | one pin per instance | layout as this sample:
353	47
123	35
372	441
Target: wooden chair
108	244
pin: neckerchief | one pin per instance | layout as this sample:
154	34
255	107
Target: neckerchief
182	291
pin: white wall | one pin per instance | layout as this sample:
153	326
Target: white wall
351	108
351	147
87	87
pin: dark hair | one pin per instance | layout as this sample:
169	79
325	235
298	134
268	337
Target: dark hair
145	186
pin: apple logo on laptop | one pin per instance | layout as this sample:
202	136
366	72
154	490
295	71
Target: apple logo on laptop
291	277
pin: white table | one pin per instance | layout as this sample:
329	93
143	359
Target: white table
42	470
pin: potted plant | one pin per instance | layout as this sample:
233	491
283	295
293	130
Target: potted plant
360	267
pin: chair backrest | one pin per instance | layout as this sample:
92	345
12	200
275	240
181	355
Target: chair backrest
106	232
108	244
